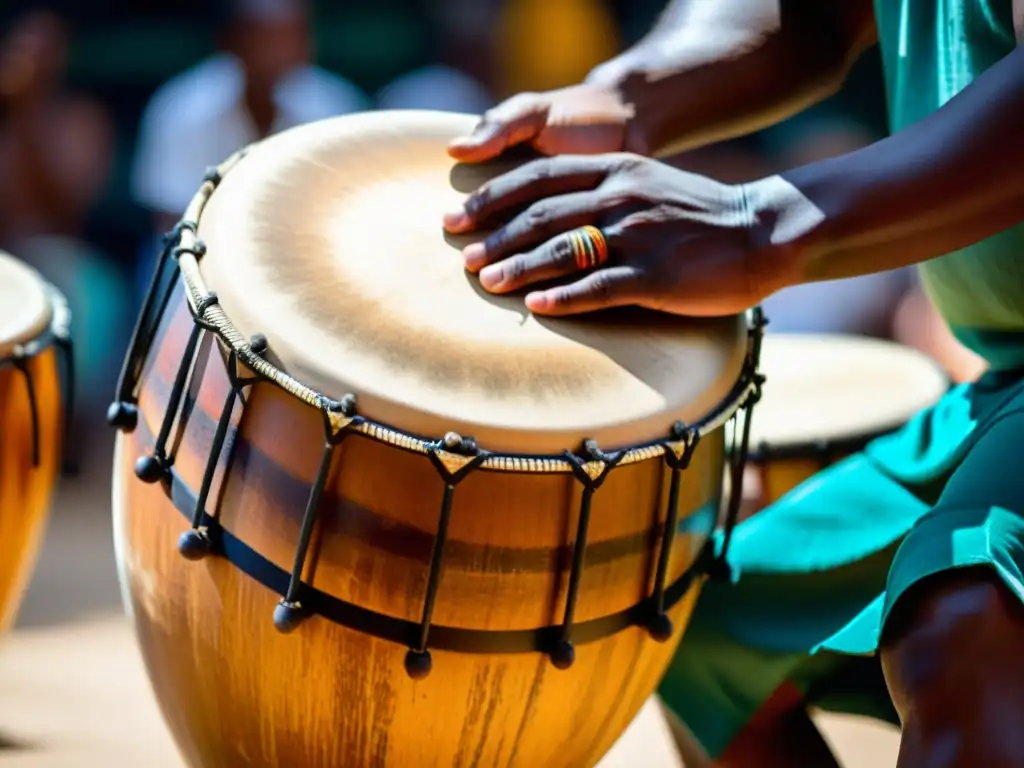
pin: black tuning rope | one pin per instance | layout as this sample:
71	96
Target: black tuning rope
454	458
20	363
154	468
721	569
678	454
66	349
197	542
289	612
123	412
563	654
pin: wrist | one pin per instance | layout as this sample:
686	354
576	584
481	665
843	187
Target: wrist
787	231
619	77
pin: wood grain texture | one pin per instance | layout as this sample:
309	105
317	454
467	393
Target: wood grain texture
235	692
26	491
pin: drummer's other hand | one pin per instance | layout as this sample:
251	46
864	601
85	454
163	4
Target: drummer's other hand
676	241
582	119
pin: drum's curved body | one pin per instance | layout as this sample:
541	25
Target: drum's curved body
34	345
444	612
826	397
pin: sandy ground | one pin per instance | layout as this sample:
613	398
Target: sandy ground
73	691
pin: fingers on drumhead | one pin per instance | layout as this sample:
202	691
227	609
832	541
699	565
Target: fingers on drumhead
530	183
541	221
612	287
555	258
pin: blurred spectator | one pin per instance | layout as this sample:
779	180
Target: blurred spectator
436	86
262	81
461	36
56	151
55	147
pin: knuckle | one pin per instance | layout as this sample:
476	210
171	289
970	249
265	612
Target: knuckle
619	195
601	286
476	203
628	161
626	188
497	241
562	251
560	297
538	215
537	171
513	269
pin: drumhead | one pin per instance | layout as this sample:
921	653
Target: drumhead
834	389
25	309
327	239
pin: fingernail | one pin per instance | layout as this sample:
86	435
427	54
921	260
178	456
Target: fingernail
537	301
490	277
474	254
455	221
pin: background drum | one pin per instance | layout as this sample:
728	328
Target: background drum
824	398
491	601
34	345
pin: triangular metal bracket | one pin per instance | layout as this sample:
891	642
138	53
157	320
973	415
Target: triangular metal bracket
592	467
338	416
454	457
680	447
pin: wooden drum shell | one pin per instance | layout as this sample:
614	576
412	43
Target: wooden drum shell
26	491
237	692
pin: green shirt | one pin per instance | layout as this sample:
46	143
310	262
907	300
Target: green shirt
931	50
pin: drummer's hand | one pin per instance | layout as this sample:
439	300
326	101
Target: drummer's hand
677	242
579	120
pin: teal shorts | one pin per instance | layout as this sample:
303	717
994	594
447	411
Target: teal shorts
817	573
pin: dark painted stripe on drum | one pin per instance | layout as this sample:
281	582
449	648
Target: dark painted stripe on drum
406	633
400	539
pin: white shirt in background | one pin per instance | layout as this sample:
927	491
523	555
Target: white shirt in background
197	119
436	87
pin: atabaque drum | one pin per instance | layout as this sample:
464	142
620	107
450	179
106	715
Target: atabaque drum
369	515
824	398
35	355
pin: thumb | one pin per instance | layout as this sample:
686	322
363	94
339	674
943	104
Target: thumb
499	130
488	140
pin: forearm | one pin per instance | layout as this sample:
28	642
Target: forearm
950	180
716	69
